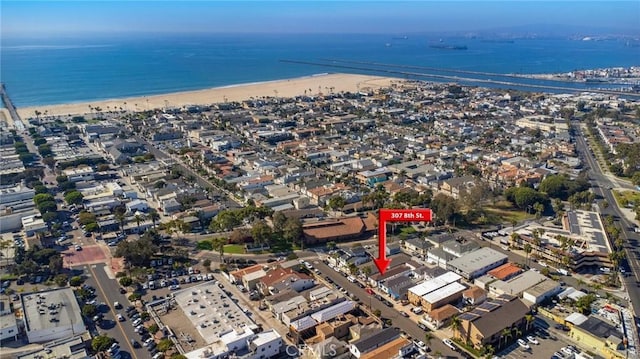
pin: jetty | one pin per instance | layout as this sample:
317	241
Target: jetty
418	75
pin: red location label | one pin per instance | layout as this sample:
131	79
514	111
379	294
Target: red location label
395	215
404	215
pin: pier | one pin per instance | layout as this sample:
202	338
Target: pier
8	104
449	78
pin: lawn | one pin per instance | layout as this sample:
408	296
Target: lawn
509	215
234	248
627	198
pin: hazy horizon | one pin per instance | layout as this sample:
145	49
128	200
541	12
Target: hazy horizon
53	19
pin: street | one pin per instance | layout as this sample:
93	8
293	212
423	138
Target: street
107	291
602	187
399	321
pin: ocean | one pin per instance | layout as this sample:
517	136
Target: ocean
53	71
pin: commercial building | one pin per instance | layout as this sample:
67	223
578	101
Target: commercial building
599	337
516	285
477	263
580	244
416	295
70	348
8	324
241	345
213	313
51	315
541	291
448	294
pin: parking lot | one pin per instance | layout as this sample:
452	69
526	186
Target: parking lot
549	342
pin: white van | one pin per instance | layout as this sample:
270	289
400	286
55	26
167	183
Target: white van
417	310
152	284
351	279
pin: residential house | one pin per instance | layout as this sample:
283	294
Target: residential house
440	317
371	342
485	324
474	295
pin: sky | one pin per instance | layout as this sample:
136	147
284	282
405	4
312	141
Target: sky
56	18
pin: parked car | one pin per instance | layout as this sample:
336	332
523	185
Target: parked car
532	340
120	317
450	344
134	343
523	344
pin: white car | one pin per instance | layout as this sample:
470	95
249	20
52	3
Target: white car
532	340
420	344
136	322
120	317
567	351
523	344
449	343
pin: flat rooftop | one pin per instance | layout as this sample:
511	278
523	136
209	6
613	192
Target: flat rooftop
444	292
51	310
434	284
476	260
70	348
211	311
519	283
587	226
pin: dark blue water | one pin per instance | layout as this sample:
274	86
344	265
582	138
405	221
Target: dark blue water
45	71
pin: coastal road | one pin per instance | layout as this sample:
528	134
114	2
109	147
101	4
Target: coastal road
406	324
603	188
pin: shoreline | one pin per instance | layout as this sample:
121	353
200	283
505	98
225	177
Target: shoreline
311	85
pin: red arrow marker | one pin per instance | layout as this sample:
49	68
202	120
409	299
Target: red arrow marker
395	215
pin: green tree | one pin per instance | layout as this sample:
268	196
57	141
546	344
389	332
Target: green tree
207	264
292	231
43	197
527	250
154	216
261	232
278	220
165	345
61	280
73	197
89	310
125	281
336	203
218	245
153	328
76	281
456	325
101	343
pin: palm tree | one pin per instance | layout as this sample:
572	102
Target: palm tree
154	216
506	334
218	244
120	218
489	350
527	250
517	332
456	324
428	336
529	319
138	219
515	238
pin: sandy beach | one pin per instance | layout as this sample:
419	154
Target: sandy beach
313	85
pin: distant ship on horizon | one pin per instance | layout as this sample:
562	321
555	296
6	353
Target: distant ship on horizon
448	47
